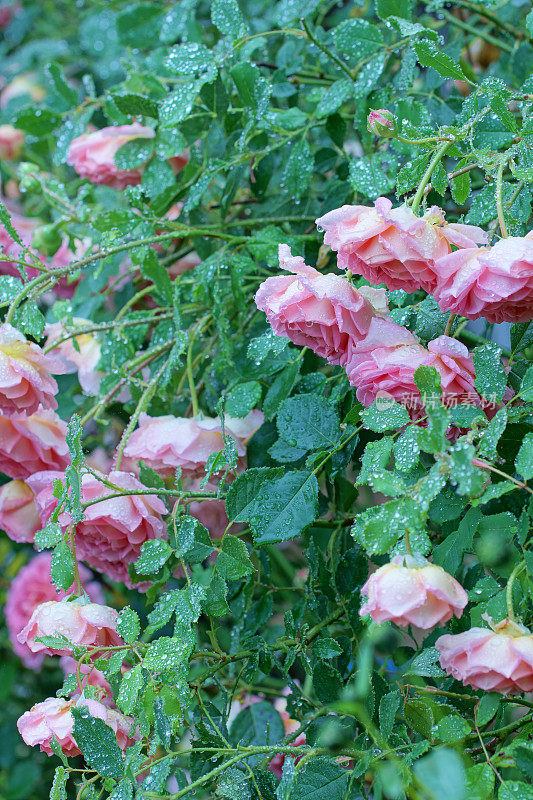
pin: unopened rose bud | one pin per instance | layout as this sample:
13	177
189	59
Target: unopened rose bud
29	182
47	240
11	143
382	123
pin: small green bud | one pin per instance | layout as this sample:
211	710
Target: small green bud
46	239
382	123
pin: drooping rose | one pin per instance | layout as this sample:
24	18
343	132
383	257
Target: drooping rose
392	245
19	517
93	154
495	283
322	312
31	587
53	717
32	444
78	354
82	623
113	530
412	591
25	374
498	660
164	443
384	364
11	142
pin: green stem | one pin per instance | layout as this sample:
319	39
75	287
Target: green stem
476	31
327	52
509	590
190	376
437	155
499	197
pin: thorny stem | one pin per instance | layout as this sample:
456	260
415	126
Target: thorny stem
437	155
77	579
509	590
499	198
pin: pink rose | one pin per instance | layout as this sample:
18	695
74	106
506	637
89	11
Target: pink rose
412	591
53	717
322	312
211	512
90	676
392	245
83	624
276	764
498	660
78	354
491	282
113	530
25	379
11	142
19	517
384	364
382	123
30	588
27	83
164	443
93	155
32	444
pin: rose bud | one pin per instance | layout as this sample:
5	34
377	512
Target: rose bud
382	123
47	240
498	660
412	591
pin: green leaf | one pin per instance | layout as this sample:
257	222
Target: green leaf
190	58
154	553
167	652
309	421
298	169
48	536
226	16
442	774
487	708
55	73
320	779
233	561
429	55
98	744
491	378
128	625
215	604
37	122
449	553
388	706
515	790
452	728
243	398
283	507
385	415
58	790
327	648
374	175
130	685
357	38
524	459
178	105
62	567
259	724
394	8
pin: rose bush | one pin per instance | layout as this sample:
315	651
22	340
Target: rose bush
266	400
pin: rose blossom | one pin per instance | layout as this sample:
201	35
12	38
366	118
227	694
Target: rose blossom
19	517
11	143
392	245
322	312
32	444
412	591
31	587
83	624
93	154
164	443
112	532
384	364
497	660
495	283
78	354
53	717
90	676
25	379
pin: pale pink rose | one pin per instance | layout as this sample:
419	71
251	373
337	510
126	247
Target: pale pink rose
30	588
27	83
25	379
184	264
113	530
83	624
164	443
384	364
498	660
19	517
100	460
93	155
495	283
78	354
211	512
392	245
178	162
11	142
53	717
412	591
32	444
90	676
323	312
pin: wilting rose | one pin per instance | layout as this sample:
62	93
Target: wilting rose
392	245
113	530
495	283
25	379
31	587
164	443
78	354
93	154
19	517
82	623
53	717
322	312
498	660
384	364
11	142
32	444
412	591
